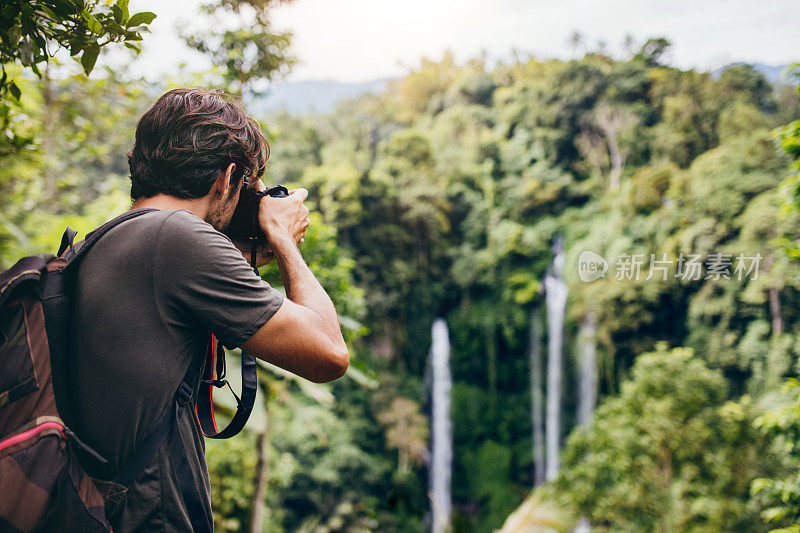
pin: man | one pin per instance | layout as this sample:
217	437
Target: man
154	288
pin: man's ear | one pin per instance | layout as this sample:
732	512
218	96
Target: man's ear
223	182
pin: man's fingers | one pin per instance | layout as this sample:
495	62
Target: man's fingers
292	216
302	193
303	227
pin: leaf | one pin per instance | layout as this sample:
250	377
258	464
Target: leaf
93	23
133	47
118	15
145	17
64	8
14	90
89	58
112	28
758	485
123	6
49	12
773	514
362	378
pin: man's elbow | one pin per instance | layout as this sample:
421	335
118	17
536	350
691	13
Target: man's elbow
334	367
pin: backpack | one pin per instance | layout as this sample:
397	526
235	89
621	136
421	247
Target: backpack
46	479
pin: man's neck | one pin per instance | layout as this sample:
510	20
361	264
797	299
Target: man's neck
198	206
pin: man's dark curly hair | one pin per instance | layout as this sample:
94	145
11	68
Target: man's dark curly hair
187	138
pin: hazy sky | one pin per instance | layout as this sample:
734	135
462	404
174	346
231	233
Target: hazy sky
358	40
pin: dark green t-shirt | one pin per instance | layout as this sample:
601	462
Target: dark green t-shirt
150	293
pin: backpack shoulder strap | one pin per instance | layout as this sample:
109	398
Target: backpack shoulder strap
67	240
74	256
147	450
56	295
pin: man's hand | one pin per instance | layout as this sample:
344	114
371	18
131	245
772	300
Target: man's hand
284	220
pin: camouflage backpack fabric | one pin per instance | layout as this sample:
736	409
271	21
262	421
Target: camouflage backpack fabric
43	486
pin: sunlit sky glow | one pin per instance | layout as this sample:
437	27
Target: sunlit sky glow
359	40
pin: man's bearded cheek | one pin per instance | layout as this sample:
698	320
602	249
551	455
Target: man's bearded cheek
229	207
218	215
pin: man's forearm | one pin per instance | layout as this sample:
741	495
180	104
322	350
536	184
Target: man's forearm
303	288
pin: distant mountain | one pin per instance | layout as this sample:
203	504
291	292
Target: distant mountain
312	96
322	96
773	73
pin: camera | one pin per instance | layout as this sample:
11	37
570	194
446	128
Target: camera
244	226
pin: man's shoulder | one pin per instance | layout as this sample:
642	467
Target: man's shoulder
179	225
155	220
165	234
183	234
158	228
180	219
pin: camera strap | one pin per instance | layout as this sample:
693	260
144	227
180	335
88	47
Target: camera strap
214	377
214	370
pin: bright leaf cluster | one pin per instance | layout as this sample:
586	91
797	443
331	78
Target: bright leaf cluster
31	32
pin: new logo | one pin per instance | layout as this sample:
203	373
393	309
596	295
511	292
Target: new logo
591	266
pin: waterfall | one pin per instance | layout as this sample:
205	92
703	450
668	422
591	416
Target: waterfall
536	397
441	431
556	298
587	368
583	526
587	383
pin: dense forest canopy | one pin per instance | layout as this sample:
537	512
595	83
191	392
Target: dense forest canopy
442	197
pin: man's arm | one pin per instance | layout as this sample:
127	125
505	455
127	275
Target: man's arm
303	336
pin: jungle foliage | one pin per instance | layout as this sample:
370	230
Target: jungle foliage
33	32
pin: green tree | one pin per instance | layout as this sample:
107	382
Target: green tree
247	51
653	50
668	454
790	142
31	32
74	171
781	493
407	430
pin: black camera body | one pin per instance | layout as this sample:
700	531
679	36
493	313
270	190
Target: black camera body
244	226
